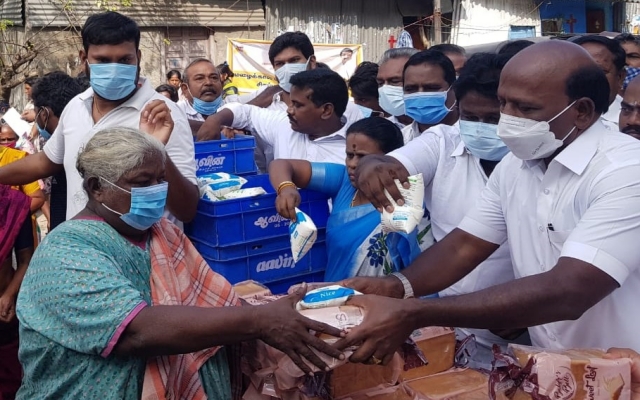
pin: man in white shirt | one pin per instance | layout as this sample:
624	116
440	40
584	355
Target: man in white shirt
455	162
568	200
117	97
390	71
611	57
428	98
202	88
630	110
313	129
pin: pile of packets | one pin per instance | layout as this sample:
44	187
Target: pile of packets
424	369
223	186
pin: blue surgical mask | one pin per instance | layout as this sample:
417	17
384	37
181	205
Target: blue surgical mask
113	81
426	108
43	132
147	205
205	107
482	140
288	70
391	100
366	111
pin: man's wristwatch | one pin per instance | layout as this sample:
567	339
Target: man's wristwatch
408	290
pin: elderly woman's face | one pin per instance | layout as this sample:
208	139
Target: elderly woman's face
117	199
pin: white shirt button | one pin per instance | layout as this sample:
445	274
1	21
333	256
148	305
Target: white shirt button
541	229
546	191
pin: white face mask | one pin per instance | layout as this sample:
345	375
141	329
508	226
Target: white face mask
288	70
392	99
529	139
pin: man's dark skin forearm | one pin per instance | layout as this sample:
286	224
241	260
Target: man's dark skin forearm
183	196
211	128
29	169
264	99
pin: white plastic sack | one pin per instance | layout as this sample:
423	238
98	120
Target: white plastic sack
215	186
303	234
407	217
329	296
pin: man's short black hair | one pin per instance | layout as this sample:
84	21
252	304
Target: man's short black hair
322	65
109	28
614	47
83	81
481	74
589	81
448	48
515	46
346	50
363	83
55	90
627	38
433	57
31	80
173	93
297	40
327	87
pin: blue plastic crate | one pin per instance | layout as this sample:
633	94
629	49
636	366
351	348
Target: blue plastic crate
223	253
222	223
271	266
281	287
234	156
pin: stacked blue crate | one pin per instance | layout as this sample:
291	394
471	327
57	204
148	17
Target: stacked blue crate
234	156
247	239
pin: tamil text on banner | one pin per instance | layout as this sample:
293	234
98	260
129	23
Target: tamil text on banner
249	61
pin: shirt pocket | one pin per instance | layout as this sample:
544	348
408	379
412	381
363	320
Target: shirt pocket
558	238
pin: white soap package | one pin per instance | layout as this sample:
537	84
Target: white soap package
244	193
405	218
328	296
303	234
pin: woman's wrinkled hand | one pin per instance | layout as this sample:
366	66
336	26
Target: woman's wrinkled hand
7	308
284	328
385	328
287	201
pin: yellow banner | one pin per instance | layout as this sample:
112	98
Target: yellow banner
249	61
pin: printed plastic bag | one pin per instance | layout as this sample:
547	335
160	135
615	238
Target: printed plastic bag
330	296
214	187
303	234
407	217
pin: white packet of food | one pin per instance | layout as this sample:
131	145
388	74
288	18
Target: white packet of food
215	186
405	218
329	296
303	234
243	193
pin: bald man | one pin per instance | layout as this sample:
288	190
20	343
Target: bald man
630	110
568	199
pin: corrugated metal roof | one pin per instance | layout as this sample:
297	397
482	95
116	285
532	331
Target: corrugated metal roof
11	10
149	13
367	22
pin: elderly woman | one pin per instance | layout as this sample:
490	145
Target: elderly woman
117	300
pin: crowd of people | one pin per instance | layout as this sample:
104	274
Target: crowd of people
531	204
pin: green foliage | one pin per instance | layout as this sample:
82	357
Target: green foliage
4	24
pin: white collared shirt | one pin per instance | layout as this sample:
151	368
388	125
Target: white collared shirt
612	116
274	129
398	123
188	110
76	127
454	180
585	205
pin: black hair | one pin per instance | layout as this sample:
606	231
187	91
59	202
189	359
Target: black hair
55	90
322	65
174	72
109	28
173	93
297	40
327	87
614	47
347	50
31	80
627	38
363	82
224	69
589	81
481	74
433	57
382	131
448	48
514	46
83	80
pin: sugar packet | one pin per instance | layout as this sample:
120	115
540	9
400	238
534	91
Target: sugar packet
405	218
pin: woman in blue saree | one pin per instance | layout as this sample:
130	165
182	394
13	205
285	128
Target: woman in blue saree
356	245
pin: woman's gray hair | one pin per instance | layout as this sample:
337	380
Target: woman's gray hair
113	152
398	52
